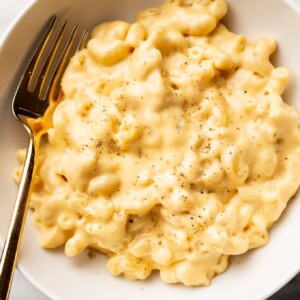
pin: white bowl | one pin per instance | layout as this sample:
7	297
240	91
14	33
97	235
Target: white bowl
255	275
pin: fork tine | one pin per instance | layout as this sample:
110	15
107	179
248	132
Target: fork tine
83	40
55	91
60	64
37	53
48	62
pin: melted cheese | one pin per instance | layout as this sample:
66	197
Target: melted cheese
172	148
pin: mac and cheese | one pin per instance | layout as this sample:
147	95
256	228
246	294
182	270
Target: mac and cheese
172	148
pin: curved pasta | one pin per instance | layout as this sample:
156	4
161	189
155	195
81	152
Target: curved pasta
171	149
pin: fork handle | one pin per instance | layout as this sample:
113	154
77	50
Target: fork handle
13	240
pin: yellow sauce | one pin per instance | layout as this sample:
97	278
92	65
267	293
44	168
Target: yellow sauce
172	148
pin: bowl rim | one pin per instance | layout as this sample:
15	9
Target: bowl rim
32	280
7	32
14	22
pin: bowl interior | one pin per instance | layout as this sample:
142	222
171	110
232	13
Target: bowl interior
252	276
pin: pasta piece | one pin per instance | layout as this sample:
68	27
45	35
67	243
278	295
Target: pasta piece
171	148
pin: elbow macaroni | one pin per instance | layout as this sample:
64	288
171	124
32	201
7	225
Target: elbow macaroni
172	148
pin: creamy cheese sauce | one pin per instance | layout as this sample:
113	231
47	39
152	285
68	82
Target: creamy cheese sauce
172	148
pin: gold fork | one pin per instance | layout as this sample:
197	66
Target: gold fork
31	101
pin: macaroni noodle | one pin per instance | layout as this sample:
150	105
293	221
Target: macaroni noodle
172	148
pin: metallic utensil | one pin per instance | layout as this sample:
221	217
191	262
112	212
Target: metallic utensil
35	92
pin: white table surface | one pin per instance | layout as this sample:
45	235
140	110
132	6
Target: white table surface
22	289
